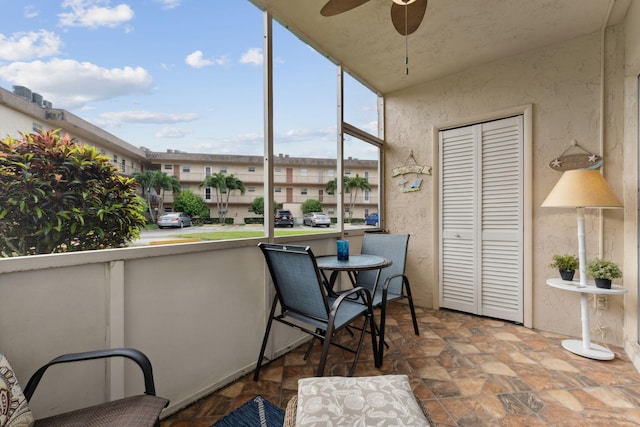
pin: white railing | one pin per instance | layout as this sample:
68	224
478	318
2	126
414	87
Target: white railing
197	310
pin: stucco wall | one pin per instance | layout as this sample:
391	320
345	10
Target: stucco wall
562	83
632	71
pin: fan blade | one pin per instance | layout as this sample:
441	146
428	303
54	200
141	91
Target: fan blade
335	7
415	14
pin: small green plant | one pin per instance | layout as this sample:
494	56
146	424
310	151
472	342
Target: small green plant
603	269
564	262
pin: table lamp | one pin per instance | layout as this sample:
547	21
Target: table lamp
579	189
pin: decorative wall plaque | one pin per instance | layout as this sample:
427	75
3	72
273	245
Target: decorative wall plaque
410	167
584	160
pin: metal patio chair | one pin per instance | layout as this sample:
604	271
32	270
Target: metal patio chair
393	283
302	296
135	411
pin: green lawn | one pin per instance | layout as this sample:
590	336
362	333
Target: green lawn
228	235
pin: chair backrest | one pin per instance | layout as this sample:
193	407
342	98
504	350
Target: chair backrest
297	280
390	246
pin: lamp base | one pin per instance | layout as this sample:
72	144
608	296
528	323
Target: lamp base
594	351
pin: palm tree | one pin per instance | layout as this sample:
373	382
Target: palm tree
332	186
148	180
223	185
352	186
167	182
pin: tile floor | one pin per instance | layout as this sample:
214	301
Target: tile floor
467	370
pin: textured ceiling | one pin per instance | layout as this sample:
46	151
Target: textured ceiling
454	35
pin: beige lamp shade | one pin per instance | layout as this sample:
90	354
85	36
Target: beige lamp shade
582	188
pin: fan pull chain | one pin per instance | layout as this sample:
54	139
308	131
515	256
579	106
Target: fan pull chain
406	40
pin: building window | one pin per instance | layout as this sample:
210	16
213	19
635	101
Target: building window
303	191
251	169
168	167
115	158
366	195
223	169
124	165
207	193
186	168
207	171
347	172
277	169
330	172
278	189
366	176
251	189
331	211
303	172
37	127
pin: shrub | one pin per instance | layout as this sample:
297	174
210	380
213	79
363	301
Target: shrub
191	204
58	196
311	205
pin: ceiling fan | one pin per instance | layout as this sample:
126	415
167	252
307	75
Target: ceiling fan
406	15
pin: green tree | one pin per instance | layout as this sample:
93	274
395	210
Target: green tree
159	182
311	205
170	183
332	186
58	196
147	180
190	203
353	186
257	206
223	186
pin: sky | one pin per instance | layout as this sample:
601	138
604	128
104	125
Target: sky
178	74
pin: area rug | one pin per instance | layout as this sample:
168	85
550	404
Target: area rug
257	412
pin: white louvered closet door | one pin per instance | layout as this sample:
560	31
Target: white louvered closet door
481	219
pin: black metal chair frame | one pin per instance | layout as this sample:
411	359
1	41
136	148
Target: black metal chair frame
137	356
405	292
324	335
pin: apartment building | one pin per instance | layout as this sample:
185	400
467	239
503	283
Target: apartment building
296	179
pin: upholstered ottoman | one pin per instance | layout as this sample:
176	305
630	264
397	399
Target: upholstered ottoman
346	401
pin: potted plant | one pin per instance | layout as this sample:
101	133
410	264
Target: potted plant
566	264
603	271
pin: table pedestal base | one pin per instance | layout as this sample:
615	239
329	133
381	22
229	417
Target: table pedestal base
594	351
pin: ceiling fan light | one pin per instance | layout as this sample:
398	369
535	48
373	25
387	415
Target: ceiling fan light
403	2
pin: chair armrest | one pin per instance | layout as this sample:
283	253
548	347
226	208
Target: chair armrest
131	353
353	294
388	280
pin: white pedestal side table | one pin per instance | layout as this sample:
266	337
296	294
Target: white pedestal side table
585	347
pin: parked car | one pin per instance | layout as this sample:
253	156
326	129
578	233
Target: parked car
316	219
283	217
174	219
372	219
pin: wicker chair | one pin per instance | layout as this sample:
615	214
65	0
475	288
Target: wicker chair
140	410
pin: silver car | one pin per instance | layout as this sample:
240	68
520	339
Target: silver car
174	219
316	219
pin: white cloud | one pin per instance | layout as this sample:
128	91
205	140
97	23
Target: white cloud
169	4
30	11
196	60
71	84
94	14
34	44
117	118
253	56
172	133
